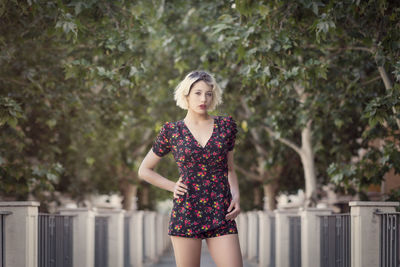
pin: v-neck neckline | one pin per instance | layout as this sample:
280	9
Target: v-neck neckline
197	142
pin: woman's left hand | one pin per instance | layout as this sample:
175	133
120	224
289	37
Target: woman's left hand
233	210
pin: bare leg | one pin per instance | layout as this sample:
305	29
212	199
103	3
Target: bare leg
225	250
187	251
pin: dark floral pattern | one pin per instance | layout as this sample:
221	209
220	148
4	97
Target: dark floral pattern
205	171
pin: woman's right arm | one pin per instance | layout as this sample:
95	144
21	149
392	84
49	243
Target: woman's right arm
146	172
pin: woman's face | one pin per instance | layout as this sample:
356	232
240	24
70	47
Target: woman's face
200	97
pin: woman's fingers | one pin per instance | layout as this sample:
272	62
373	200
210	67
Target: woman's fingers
181	191
231	215
183	186
180	188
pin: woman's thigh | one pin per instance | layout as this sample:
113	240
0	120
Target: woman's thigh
187	251
225	250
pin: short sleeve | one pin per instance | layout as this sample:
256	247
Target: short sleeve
231	132
161	145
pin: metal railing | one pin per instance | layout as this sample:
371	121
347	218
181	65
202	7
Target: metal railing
273	248
295	241
257	243
335	240
55	240
127	258
2	236
101	241
389	253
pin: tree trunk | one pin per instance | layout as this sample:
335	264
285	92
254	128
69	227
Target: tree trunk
307	159
128	192
257	195
269	196
144	196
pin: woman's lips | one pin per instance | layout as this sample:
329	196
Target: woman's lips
202	106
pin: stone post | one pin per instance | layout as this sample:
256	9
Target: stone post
310	235
161	234
137	238
365	234
115	236
83	235
253	235
21	233
282	236
241	221
266	239
150	236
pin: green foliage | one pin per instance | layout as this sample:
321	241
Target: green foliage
83	82
332	50
71	82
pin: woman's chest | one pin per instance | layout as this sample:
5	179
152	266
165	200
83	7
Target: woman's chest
186	148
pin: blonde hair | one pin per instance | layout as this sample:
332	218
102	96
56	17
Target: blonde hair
183	88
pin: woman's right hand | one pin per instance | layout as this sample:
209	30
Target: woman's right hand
180	188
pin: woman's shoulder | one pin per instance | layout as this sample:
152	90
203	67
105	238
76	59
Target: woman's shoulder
229	124
227	119
170	125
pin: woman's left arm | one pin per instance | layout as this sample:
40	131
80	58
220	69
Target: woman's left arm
234	207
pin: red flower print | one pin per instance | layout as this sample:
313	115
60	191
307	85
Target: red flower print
205	172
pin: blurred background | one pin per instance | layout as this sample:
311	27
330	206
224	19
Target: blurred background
86	85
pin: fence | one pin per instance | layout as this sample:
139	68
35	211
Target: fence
54	240
285	238
2	240
2	233
389	252
127	233
295	241
312	237
101	241
335	240
272	247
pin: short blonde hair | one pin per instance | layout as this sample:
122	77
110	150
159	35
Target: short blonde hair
183	88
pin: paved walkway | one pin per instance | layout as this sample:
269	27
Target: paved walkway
168	259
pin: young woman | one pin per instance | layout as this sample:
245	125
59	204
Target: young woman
206	195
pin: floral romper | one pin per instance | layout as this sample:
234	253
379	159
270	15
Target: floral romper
201	211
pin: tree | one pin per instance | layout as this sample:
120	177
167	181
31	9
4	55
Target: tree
288	54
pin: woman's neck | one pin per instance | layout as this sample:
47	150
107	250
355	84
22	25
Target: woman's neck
196	117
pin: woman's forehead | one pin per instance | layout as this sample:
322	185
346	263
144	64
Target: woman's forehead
202	86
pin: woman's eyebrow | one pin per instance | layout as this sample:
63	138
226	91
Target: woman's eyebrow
199	90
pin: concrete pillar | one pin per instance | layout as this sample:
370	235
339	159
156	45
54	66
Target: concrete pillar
165	231
282	236
150	237
137	238
161	233
242	230
365	234
21	233
166	225
310	235
83	235
252	234
115	235
266	240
